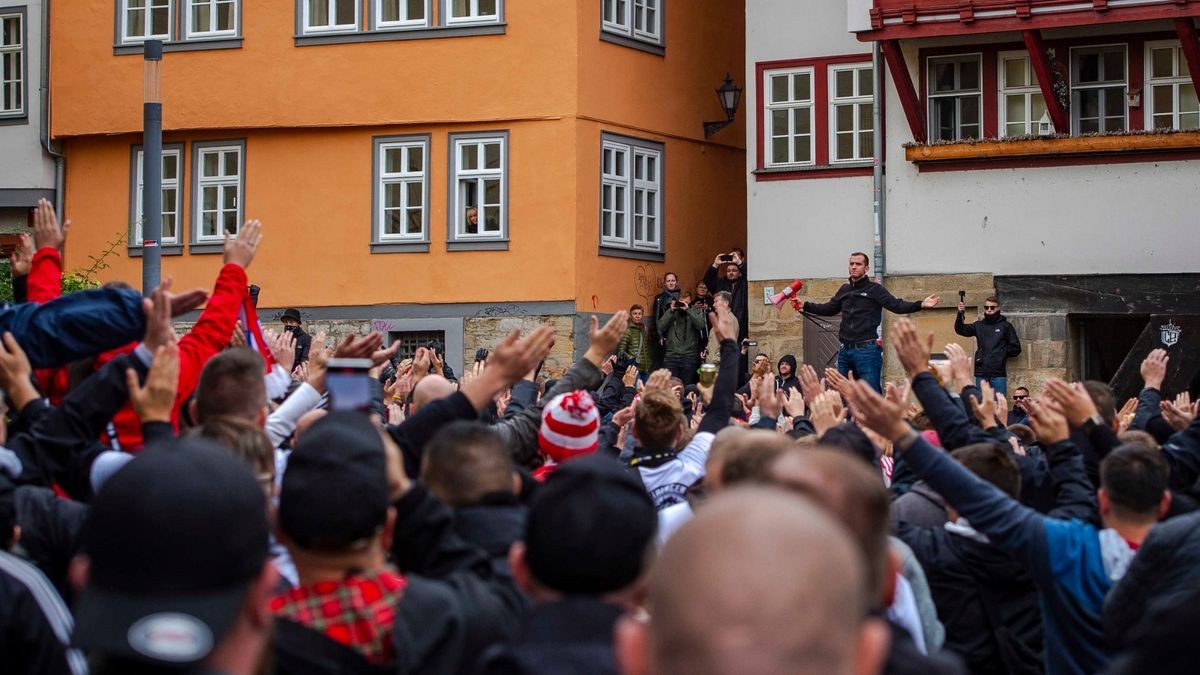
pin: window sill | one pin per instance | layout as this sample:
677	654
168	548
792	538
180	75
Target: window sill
616	252
387	35
399	247
206	248
492	245
184	46
10	120
815	171
1055	150
165	249
633	43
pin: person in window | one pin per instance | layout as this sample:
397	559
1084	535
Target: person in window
472	220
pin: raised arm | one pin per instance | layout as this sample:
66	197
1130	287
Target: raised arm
831	308
1149	412
897	306
960	325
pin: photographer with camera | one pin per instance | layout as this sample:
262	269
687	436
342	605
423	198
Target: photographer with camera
662	304
733	264
680	328
634	348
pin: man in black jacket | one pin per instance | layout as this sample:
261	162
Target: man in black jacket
997	342
291	323
582	561
861	302
662	305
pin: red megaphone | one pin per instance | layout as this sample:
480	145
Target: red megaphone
779	298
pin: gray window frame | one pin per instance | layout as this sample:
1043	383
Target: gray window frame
453	241
366	30
194	245
1077	88
378	243
135	249
658	46
958	95
178	42
22	117
609	249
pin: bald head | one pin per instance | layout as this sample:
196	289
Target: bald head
431	388
760	581
739	455
853	494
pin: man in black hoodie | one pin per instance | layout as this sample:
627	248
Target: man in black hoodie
786	377
997	342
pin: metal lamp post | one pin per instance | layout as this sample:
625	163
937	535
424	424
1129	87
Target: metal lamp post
729	94
152	166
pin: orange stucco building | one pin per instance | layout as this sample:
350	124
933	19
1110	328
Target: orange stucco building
419	165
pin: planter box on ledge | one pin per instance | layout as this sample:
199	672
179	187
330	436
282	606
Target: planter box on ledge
1054	147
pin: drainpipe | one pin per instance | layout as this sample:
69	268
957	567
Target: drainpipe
877	118
44	89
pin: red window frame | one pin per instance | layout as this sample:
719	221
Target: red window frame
822	167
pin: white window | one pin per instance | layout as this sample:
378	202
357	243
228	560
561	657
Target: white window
218	191
1169	90
326	16
638	19
1098	89
1021	102
145	20
631	193
955	97
851	125
478	205
172	159
401	210
212	18
789	116
401	13
472	11
12	65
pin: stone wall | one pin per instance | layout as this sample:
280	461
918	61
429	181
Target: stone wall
1045	347
486	332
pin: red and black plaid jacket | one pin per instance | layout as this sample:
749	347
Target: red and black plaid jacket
357	612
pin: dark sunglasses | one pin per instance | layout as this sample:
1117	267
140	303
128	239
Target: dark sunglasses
1017	397
991	306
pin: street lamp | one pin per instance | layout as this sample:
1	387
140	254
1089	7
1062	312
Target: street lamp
729	95
151	166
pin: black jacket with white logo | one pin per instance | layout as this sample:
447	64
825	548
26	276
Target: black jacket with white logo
997	342
861	304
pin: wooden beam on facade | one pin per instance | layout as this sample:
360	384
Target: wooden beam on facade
1191	47
909	100
1046	78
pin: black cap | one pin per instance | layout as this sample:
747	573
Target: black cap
851	439
589	528
335	494
175	538
293	314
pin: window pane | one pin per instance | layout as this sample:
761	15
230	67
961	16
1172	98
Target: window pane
168	200
170	167
865	114
802	86
1014	73
209	197
391	10
209	164
845	146
231	164
136	21
1114	102
230	220
391	224
1014	108
345	11
1164	121
414	221
491	219
1089	67
160	19
803	120
943	77
779	151
1164	98
845	118
1162	62
416	10
779	122
491	191
1184	71
393	195
229	200
491	156
866	82
318	13
200	17
487	7
469	158
168	226
416	194
1089	104
652	169
12	32
639	167
1189	121
803	148
779	88
970	131
393	160
1187	99
618	168
460	8
970	110
944	117
1114	66
225	16
1014	129
844	83
968	76
1037	104
866	144
209	226
416	160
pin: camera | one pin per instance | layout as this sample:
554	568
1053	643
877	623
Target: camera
624	360
726	258
435	346
481	354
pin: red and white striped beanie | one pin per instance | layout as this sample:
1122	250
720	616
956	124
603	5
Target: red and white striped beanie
570	426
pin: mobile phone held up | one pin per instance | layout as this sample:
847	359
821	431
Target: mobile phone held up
348	384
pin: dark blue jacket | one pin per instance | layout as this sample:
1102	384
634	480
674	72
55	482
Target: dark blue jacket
76	325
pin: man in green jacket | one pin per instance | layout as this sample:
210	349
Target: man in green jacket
636	342
680	327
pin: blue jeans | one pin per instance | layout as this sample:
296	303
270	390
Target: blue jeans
1000	384
865	362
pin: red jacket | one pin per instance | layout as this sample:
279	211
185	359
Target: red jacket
45	284
207	338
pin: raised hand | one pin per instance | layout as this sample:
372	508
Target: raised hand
1154	368
603	340
826	412
1048	422
882	414
155	400
157	309
722	322
630	377
366	347
607	366
659	380
793	402
809	384
46	233
960	366
1125	415
241	250
1178	413
1072	399
911	350
838	382
283	348
770	400
21	259
930	302
985	411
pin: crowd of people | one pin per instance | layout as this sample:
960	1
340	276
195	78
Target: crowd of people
209	503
